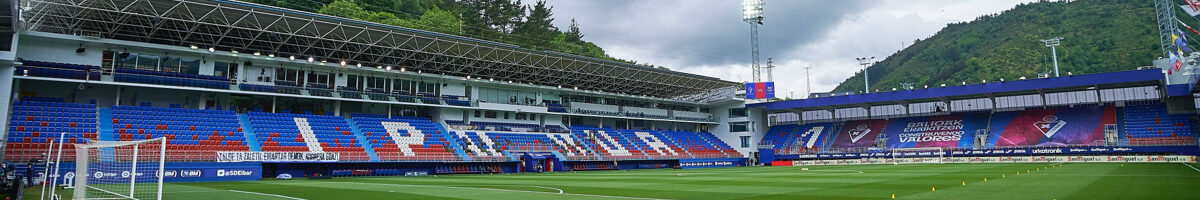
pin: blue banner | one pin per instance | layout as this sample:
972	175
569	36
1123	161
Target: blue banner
173	172
710	163
1180	150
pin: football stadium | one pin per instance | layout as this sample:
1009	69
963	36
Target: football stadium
220	99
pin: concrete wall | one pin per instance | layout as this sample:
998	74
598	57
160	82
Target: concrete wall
60	52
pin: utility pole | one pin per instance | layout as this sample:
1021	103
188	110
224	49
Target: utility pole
808	81
1053	43
866	77
770	67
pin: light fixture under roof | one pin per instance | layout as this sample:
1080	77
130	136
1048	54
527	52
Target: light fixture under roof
210	50
272	55
358	65
389	68
294	58
257	54
343	63
195	47
310	59
402	69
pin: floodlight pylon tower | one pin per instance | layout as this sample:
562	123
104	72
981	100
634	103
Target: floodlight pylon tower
865	62
1165	14
1053	44
752	13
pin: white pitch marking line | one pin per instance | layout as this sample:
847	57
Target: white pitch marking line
1193	168
265	194
494	189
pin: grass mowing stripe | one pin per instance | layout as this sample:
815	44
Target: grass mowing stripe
1037	181
265	194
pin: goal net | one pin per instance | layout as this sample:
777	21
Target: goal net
119	169
918	155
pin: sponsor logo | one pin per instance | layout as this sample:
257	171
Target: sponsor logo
99	174
168	173
224	173
1047	151
1049	125
190	173
858	133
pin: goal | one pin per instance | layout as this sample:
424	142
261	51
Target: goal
119	169
918	155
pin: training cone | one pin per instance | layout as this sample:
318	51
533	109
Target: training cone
893	196
964	183
984	179
1002	176
932	189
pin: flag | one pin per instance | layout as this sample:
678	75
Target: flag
1176	63
1180	40
1189	10
1194	4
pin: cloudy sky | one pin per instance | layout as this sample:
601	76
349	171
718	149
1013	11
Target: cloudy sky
707	37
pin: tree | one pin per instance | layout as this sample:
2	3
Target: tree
537	31
573	33
347	9
438	20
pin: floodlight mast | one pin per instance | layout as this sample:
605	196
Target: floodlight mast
866	77
752	13
1052	43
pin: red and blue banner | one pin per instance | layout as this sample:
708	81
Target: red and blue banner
948	131
761	90
1051	127
860	133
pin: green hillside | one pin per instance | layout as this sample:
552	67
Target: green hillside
505	21
1100	36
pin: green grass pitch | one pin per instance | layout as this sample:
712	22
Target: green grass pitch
925	181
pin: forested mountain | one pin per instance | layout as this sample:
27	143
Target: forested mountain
506	21
1099	36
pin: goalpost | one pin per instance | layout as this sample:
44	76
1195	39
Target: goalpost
119	169
918	155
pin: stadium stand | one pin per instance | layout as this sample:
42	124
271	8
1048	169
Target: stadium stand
694	143
457	100
555	107
170	78
193	135
319	89
652	143
287	87
609	142
780	137
405	138
478	146
36	121
1150	124
285	132
57	70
